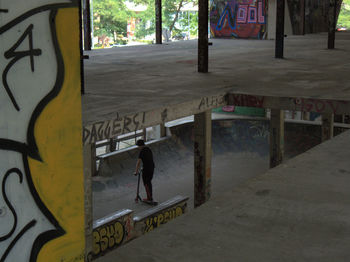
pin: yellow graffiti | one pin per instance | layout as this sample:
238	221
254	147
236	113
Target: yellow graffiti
162	218
59	178
108	237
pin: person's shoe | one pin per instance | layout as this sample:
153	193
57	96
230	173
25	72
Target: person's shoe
147	200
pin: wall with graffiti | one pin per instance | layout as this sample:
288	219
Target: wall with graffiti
238	18
151	219
42	196
122	226
111	232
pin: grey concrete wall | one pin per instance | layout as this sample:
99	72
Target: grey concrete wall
316	13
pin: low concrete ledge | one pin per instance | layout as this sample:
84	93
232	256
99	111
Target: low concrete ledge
112	231
159	215
120	227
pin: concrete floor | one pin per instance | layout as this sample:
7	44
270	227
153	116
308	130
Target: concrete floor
298	211
127	80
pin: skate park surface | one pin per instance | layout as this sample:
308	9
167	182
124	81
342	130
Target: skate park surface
141	79
240	152
298	211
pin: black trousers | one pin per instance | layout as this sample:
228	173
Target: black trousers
147	176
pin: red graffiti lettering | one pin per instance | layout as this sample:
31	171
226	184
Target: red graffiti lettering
248	100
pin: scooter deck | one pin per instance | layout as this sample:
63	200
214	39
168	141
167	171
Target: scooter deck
152	203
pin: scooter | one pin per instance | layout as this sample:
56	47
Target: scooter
152	203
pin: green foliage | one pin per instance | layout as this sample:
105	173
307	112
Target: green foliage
146	19
171	10
189	19
344	16
110	17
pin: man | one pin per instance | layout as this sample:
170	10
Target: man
146	157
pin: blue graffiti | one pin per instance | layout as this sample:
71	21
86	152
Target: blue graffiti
230	15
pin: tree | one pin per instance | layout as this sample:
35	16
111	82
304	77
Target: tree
344	16
170	15
110	18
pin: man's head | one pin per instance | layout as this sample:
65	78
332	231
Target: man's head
140	142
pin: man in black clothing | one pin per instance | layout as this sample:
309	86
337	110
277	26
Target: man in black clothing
146	157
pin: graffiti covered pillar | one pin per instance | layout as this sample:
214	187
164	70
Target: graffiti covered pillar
276	137
41	165
327	126
202	157
89	170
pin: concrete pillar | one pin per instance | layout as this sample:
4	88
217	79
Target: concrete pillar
89	169
144	136
327	126
202	157
332	22
162	130
203	50
302	17
305	115
112	145
276	137
279	42
158	9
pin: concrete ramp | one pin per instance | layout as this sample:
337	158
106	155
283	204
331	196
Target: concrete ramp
174	155
298	211
240	152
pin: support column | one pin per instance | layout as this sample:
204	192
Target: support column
162	130
158	8
327	126
279	43
87	24
302	17
276	137
112	145
305	115
144	137
202	157
203	14
89	169
332	17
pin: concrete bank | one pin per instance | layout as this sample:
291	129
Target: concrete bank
299	211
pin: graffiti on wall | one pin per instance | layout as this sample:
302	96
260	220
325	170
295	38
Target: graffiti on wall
238	18
40	78
163	217
101	130
319	106
248	100
112	234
